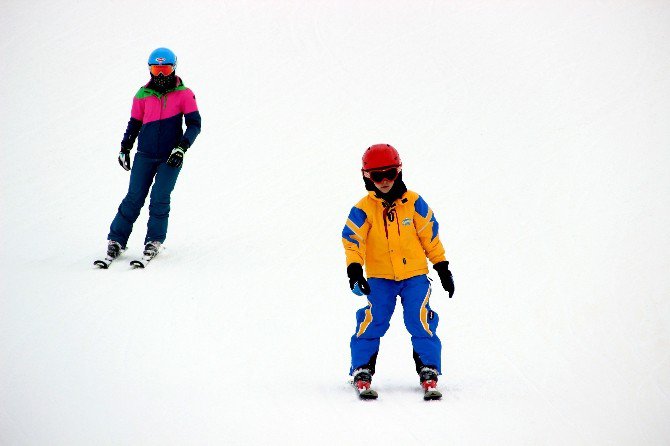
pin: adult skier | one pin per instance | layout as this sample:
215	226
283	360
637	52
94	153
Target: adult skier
156	116
391	231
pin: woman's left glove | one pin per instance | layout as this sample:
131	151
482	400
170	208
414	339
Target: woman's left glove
446	278
176	157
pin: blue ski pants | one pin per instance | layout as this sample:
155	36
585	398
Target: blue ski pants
373	320
144	172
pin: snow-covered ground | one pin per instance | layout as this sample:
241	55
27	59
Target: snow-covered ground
537	131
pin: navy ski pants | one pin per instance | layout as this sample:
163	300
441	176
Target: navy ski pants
373	321
145	171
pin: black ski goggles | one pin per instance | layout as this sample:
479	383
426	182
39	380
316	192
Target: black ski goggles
377	176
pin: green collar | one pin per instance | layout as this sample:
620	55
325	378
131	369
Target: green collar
146	91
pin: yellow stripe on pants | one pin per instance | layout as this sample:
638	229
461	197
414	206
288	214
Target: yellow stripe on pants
423	313
366	321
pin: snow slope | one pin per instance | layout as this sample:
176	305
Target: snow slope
537	131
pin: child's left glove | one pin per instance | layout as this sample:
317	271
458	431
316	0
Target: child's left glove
176	157
357	282
446	278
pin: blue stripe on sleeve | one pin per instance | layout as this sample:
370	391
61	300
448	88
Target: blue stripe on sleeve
357	216
421	207
436	227
347	234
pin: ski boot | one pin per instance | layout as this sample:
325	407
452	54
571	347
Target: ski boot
151	249
362	381
114	249
428	378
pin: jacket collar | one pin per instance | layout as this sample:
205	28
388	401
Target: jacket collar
374	196
397	192
178	86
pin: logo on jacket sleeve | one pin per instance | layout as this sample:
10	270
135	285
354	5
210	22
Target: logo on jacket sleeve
407	222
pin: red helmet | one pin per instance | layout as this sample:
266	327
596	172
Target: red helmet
380	156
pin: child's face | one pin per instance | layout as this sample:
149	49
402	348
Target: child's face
383	179
384	186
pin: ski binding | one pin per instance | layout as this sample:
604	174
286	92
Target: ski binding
147	257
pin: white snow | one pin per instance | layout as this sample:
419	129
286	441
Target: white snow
537	131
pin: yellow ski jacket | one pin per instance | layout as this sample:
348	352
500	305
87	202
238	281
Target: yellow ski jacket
392	241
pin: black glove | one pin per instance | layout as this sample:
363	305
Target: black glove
176	157
446	278
355	274
124	158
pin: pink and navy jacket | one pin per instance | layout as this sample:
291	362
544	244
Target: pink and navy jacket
157	119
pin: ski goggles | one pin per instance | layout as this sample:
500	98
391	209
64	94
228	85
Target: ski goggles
378	176
165	70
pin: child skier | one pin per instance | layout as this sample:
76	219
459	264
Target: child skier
156	116
391	231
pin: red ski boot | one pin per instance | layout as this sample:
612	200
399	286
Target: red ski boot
428	377
362	381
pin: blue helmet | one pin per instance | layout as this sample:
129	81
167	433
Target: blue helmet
162	56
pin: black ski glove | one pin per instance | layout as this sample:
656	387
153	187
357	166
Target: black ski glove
176	157
446	278
355	274
124	158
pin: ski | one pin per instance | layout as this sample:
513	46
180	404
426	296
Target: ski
140	263
368	394
104	263
364	391
143	262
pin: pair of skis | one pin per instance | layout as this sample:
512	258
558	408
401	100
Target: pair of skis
368	393
136	263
